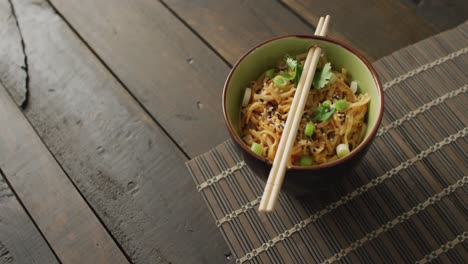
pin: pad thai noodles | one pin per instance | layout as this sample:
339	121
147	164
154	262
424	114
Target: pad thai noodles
333	122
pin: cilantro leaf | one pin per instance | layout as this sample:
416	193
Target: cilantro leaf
322	113
316	111
326	115
296	67
291	62
322	77
298	73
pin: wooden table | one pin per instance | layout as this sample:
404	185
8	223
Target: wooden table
102	103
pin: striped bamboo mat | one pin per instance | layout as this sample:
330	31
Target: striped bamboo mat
407	202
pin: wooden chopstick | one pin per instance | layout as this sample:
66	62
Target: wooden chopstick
276	176
296	121
287	127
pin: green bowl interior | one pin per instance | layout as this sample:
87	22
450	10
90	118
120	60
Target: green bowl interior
268	55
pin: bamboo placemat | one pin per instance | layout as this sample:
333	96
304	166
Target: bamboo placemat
406	202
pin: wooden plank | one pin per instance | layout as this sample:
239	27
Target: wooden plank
13	62
125	166
71	228
233	27
20	241
376	27
190	112
169	70
440	14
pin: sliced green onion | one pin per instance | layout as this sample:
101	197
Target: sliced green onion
342	150
309	129
257	148
247	95
327	104
341	105
288	76
353	86
280	81
270	73
306	161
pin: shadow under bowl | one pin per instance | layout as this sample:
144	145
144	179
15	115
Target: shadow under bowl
301	180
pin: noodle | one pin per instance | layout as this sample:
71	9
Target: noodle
264	117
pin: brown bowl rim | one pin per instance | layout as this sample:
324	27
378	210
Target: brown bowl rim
355	152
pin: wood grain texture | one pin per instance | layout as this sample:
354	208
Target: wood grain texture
122	162
68	224
440	14
172	73
233	27
20	241
375	27
12	63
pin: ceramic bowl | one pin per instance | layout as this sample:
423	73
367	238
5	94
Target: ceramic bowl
302	180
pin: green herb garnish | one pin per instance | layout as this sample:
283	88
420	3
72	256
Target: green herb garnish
341	105
291	62
322	77
296	68
309	129
270	73
298	73
288	76
306	161
342	150
280	82
322	113
257	148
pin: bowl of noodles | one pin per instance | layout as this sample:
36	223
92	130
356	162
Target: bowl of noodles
340	120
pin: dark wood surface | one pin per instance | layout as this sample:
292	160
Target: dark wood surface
116	155
376	27
233	27
56	206
117	95
176	78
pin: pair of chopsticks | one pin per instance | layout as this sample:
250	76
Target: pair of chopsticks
278	169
